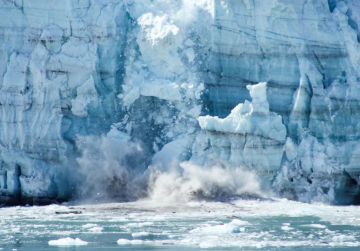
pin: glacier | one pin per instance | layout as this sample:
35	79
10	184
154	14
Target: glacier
109	97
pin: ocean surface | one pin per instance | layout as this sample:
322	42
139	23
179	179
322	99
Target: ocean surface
237	224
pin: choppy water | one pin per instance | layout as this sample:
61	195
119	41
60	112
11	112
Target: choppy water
235	225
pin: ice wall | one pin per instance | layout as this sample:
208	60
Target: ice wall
74	70
308	53
60	72
81	79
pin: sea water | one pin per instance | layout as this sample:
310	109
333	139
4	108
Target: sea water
236	224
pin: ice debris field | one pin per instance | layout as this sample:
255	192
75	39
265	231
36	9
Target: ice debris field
246	224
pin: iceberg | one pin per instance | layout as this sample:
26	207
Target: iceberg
67	242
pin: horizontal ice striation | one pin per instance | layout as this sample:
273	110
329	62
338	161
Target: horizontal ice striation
256	41
59	77
308	53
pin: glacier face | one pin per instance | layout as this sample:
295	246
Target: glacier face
60	74
93	92
308	53
104	68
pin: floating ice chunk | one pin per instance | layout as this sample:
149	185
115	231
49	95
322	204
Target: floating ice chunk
96	229
89	225
129	242
217	229
124	242
237	222
140	234
286	228
67	242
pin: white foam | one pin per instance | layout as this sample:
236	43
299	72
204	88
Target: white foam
317	226
67	242
237	222
286	228
96	229
89	225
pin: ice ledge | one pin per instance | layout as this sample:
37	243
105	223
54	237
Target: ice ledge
251	136
248	118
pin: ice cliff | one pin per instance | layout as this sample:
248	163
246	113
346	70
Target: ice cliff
308	53
98	95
